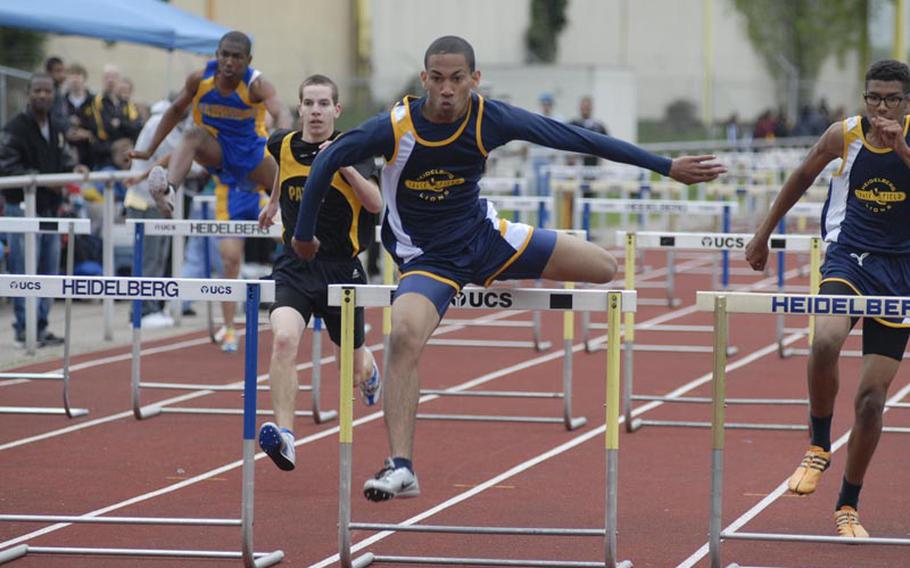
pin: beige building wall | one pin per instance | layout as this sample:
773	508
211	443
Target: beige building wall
661	42
291	39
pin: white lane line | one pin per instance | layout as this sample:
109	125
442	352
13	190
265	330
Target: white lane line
775	494
754	356
201	393
309	439
469	384
682	267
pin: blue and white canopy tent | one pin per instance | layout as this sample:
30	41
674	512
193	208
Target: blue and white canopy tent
149	22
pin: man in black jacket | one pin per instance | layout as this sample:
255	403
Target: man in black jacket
34	143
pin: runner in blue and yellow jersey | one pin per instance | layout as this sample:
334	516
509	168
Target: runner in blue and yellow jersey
229	100
439	230
865	225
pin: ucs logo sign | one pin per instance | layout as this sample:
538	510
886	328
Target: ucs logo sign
723	242
482	299
215	289
25	285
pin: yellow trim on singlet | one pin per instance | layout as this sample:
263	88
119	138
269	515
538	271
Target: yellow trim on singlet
243	91
205	85
512	259
288	167
858	293
222	213
477	127
846	149
502	227
876	149
451	283
343	187
287	162
436	144
399	128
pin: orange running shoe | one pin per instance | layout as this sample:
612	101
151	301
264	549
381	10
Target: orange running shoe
847	520
806	477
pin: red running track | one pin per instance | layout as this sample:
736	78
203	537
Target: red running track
180	465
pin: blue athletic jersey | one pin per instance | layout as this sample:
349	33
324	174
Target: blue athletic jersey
430	179
867	207
236	123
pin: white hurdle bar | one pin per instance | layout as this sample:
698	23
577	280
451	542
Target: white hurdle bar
42	225
711	242
474	297
536	342
207	228
252	292
718	210
613	302
724	303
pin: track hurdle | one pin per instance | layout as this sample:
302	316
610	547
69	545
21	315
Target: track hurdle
725	242
473	297
162	289
718	210
724	303
613	302
517	205
195	227
71	228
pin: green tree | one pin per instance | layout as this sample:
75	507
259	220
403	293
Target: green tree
548	18
22	49
795	37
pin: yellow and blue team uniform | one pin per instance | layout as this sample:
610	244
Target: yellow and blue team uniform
240	201
866	225
438	229
234	121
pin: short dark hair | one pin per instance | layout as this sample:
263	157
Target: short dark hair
51	61
450	44
318	79
37	76
889	70
239	37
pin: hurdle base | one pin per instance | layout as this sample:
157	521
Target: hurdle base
638	424
13	553
574	423
795	351
542	346
460	561
824	539
73	412
260	559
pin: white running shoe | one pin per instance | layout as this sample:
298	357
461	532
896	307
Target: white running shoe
371	389
391	482
161	191
156	320
278	444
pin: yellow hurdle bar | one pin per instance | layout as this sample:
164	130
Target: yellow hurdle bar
630	283
815	264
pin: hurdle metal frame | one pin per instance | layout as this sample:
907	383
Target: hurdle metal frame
613	302
725	242
518	205
584	207
568	420
161	289
71	228
195	227
724	303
